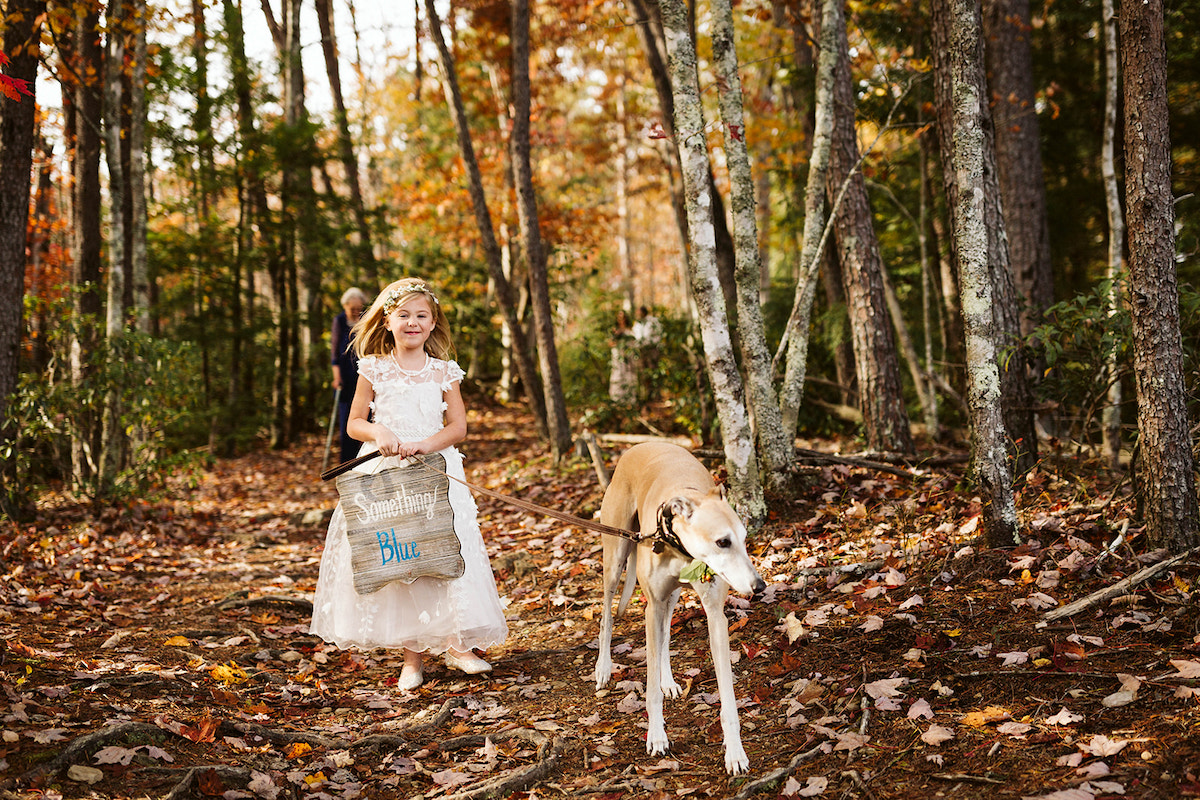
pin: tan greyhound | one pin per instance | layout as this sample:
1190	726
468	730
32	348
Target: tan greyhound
661	490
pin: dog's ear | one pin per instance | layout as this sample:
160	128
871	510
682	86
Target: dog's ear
678	507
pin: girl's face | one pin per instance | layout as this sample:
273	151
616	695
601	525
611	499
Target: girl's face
411	323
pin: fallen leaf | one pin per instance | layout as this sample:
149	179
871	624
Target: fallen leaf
1064	717
84	774
977	719
1186	668
888	687
1101	746
920	708
936	734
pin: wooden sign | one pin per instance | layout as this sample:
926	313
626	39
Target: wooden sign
400	524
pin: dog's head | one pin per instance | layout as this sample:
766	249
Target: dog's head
710	531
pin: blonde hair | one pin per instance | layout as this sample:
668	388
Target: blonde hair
371	336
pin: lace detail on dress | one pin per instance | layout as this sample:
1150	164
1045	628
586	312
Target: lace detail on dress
409	403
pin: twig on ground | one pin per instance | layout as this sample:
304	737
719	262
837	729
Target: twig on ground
1120	587
773	778
239	600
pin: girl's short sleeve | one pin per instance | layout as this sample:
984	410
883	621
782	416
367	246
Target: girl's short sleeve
451	375
369	368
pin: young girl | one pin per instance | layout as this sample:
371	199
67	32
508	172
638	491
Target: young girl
407	378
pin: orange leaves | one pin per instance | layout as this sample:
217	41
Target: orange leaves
229	674
298	750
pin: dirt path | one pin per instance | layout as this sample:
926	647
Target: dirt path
163	652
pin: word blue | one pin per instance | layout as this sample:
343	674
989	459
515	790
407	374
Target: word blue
392	550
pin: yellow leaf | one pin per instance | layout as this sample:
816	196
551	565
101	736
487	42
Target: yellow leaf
177	641
229	673
954	633
977	719
300	749
1026	576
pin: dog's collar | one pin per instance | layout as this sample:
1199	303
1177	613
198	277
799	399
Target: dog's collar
665	535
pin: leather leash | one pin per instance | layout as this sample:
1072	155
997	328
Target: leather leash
562	516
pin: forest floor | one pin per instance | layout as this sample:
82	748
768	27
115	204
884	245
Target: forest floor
162	650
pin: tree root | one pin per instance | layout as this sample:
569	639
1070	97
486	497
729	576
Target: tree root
80	748
771	780
550	751
240	599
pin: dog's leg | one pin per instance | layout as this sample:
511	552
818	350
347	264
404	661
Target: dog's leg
616	554
671	689
656	608
712	597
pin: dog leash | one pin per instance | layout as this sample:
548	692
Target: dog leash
562	516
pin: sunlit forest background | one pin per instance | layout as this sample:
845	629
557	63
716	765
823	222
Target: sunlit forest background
236	349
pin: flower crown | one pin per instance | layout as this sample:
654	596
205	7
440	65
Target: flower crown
393	297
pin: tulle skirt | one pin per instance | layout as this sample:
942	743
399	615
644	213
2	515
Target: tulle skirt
430	614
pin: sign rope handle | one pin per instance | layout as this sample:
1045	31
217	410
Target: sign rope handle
562	516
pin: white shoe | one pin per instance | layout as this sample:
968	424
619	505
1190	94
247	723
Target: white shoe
466	662
410	678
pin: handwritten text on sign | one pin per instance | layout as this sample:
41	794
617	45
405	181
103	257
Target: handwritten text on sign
400	524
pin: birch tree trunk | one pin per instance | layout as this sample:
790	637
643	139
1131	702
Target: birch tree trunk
775	447
885	420
487	234
1168	483
113	441
1016	396
746	489
1111	418
988	434
140	271
527	214
795	335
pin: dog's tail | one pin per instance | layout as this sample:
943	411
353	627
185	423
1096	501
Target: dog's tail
630	581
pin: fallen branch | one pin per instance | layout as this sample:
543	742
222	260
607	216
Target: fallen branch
772	779
1120	587
550	750
239	600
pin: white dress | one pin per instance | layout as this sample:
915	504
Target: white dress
430	614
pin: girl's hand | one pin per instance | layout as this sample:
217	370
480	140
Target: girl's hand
414	448
387	442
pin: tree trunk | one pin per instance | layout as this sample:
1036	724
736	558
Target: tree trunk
364	251
543	317
1013	362
968	140
775	447
487	235
86	213
1007	32
139	274
656	44
878	370
113	439
795	335
17	126
740	460
1167	481
1111	417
